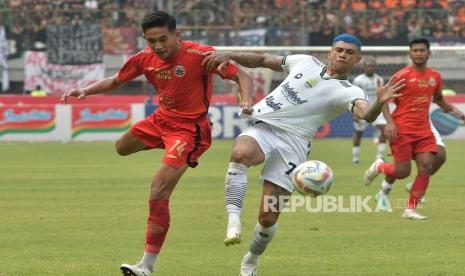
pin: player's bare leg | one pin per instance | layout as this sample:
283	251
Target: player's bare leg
163	184
246	152
424	162
273	200
128	144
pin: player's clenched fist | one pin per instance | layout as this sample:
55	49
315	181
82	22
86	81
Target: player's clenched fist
78	93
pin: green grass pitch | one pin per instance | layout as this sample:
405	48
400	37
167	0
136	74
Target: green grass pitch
79	209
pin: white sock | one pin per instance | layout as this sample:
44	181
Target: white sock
251	258
261	238
386	187
148	260
235	186
356	153
380	148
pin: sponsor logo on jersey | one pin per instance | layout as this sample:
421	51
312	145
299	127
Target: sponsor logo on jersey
310	83
298	76
179	71
291	95
194	51
273	105
422	83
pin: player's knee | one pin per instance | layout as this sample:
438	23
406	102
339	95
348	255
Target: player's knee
426	168
241	156
120	149
402	173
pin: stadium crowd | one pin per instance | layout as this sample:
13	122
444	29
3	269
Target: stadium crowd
388	22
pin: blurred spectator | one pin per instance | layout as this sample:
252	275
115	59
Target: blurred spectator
39	92
3	56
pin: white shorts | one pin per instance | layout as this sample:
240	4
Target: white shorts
283	151
437	136
361	125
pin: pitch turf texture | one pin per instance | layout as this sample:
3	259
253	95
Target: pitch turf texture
79	209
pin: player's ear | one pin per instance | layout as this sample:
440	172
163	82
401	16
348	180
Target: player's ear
177	34
359	57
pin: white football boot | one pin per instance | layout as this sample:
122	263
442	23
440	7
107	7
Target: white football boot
382	202
372	172
233	233
412	214
134	270
248	268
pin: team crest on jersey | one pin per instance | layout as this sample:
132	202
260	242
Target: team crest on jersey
179	71
432	82
310	83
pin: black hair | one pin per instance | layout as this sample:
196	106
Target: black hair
419	41
158	19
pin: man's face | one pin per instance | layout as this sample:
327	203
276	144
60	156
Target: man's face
419	54
343	56
161	41
369	68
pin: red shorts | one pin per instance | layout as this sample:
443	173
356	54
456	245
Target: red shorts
407	145
183	140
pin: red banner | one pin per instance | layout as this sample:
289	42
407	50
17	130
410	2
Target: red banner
27	119
100	119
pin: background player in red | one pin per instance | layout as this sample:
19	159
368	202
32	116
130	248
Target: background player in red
408	129
180	124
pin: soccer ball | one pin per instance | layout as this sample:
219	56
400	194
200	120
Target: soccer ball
312	178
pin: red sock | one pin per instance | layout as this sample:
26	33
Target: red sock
418	190
387	169
157	225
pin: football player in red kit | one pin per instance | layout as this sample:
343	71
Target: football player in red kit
408	129
179	125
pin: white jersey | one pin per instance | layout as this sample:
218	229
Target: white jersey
306	98
368	84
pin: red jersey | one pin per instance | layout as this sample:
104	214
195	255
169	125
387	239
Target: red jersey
412	112
183	85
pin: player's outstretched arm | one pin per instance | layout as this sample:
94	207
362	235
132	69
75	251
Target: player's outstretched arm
251	60
446	106
384	93
99	87
246	90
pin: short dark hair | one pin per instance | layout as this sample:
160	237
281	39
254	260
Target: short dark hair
419	41
158	19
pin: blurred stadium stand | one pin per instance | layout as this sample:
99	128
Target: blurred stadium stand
243	22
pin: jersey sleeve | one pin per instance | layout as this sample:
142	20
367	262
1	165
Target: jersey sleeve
350	96
292	60
131	69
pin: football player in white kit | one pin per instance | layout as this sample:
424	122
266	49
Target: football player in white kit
285	123
367	81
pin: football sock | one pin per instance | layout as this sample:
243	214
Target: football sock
387	169
386	187
356	153
158	224
261	237
380	148
148	260
235	186
418	190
